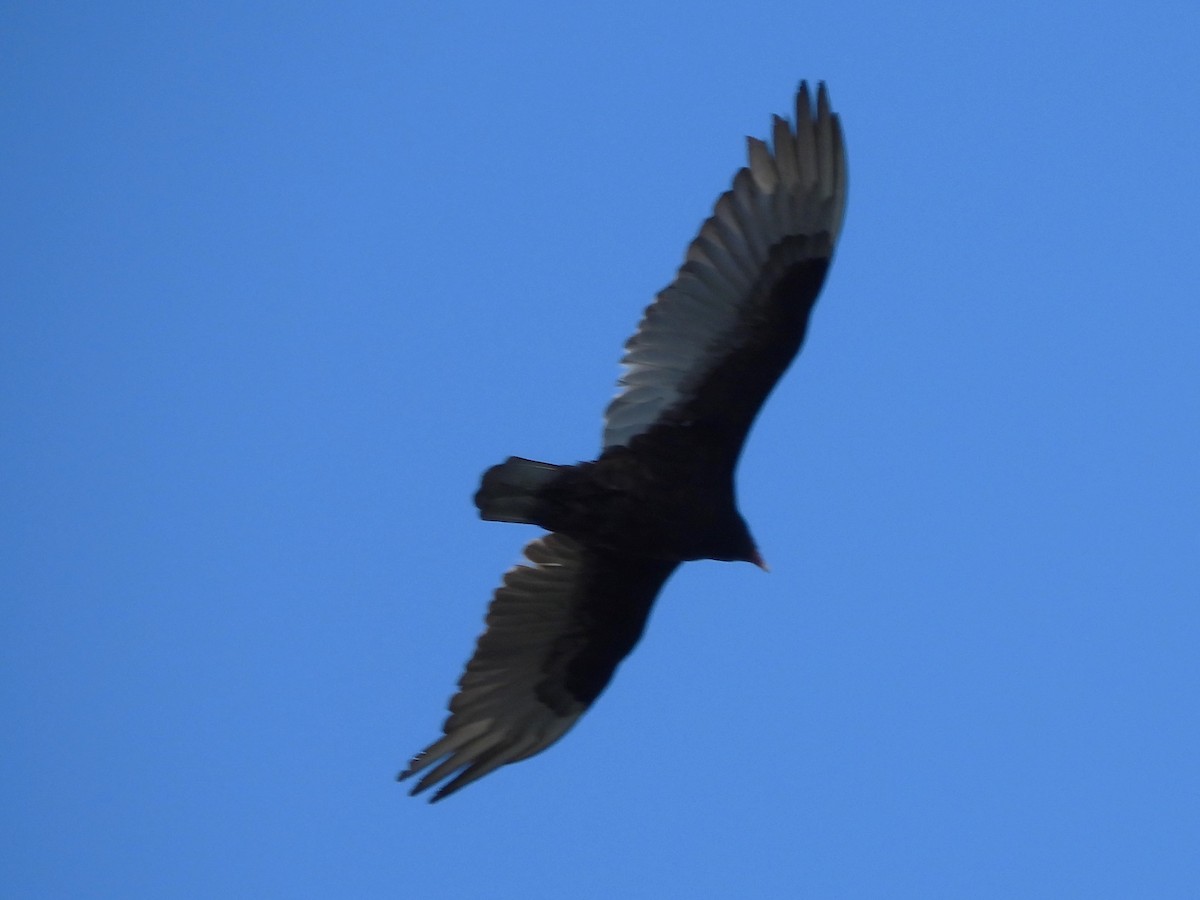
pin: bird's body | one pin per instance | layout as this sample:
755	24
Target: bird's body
623	504
707	353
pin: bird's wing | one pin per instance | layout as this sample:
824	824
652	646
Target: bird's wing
556	631
767	244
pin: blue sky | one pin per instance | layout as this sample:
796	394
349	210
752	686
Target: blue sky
280	282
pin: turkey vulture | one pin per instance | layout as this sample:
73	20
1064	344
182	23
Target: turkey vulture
708	350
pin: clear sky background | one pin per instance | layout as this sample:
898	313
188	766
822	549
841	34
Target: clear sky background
279	282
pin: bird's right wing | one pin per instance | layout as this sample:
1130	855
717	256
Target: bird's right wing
556	631
747	285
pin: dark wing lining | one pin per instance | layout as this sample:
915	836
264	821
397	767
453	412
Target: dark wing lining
719	412
783	212
555	633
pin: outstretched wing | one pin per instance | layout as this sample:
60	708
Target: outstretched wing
556	631
739	306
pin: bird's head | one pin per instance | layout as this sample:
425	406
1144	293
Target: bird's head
740	545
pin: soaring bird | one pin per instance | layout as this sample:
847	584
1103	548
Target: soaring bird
708	351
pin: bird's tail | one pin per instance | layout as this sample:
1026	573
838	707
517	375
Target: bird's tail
510	491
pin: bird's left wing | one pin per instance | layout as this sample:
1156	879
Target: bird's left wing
556	631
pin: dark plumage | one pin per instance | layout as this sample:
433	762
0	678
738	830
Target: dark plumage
702	362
